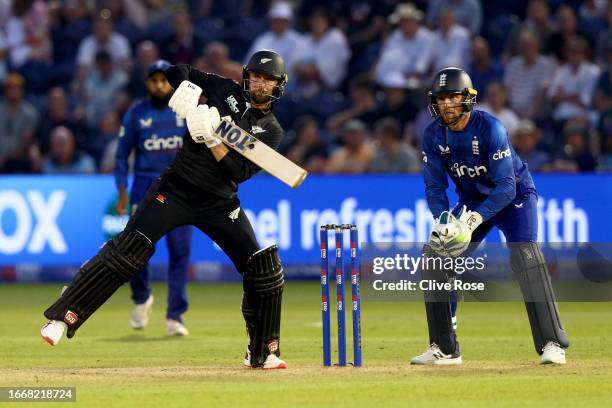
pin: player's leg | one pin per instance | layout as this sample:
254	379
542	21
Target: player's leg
263	281
440	309
179	249
115	264
139	284
529	267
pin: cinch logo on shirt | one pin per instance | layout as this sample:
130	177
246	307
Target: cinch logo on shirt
155	143
232	103
472	172
500	155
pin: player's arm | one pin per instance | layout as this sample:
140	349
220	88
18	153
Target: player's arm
502	174
128	138
207	82
435	178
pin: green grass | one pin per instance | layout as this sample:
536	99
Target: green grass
112	365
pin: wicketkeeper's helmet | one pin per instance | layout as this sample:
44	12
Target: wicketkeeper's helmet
450	81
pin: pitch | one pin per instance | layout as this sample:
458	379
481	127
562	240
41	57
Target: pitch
112	365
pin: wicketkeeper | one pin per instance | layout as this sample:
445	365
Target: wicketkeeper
199	188
495	188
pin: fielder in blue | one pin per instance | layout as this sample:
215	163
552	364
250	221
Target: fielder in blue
154	133
495	189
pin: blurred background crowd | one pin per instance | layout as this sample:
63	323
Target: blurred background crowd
358	75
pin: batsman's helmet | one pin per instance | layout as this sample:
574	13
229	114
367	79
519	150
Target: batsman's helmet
265	62
450	81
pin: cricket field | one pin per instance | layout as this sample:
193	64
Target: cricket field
112	365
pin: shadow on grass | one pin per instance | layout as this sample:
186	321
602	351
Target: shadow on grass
142	338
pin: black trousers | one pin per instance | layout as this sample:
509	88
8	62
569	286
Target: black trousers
171	202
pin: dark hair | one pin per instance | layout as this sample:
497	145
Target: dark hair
390	127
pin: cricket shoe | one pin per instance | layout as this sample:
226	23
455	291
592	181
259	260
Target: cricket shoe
553	353
139	318
433	355
53	331
176	328
272	361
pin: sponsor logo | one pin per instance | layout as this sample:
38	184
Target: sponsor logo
528	253
235	136
520	205
471	172
443	80
232	103
499	154
146	123
424	157
475	149
70	317
122	131
156	143
444	150
264	60
161	198
257	129
273	347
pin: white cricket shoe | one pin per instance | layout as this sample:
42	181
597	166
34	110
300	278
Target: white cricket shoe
139	318
53	331
433	355
273	362
553	353
175	328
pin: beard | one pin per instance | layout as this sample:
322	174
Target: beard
160	102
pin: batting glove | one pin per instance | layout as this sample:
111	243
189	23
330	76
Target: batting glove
185	98
201	122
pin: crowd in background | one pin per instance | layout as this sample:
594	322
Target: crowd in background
358	75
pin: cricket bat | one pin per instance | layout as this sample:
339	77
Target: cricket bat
260	153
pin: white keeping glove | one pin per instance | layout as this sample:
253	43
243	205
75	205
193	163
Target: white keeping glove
459	240
185	98
201	122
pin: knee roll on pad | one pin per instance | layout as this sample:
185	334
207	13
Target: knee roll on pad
262	301
529	267
438	310
116	262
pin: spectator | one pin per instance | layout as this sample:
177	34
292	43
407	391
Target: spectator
575	155
496	103
281	37
395	102
573	85
104	38
567	29
604	39
605	161
467	12
525	141
527	76
537	21
321	61
184	43
451	43
391	154
483	69
356	154
407	51
29	42
63	157
146	54
18	120
102	89
216	61
107	132
58	114
122	14
364	105
592	17
3	57
309	151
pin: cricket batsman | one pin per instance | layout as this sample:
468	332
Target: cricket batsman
199	188
495	188
153	132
